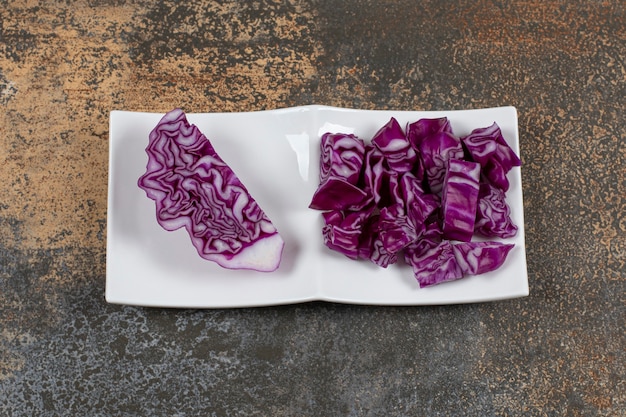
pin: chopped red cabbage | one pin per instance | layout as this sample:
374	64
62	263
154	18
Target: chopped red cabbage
381	256
459	199
195	189
396	230
495	173
341	164
336	193
418	204
373	173
476	258
435	151
418	131
342	157
395	146
369	233
493	215
488	147
430	236
434	265
390	191
342	231
415	193
372	245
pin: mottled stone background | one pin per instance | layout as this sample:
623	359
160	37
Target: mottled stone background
65	64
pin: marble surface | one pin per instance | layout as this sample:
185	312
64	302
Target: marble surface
65	65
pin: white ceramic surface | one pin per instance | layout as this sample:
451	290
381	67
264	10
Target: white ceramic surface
276	154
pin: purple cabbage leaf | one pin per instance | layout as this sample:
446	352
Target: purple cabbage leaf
419	205
372	245
396	230
381	256
373	173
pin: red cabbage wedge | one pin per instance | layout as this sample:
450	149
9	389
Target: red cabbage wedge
195	189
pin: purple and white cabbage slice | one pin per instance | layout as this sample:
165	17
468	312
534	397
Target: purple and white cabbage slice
341	162
381	256
336	193
372	246
394	145
475	258
493	215
419	205
379	181
435	151
417	131
343	231
434	264
341	157
488	147
396	229
194	188
459	199
373	172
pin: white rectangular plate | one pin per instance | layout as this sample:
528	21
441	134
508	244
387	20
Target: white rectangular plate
276	155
